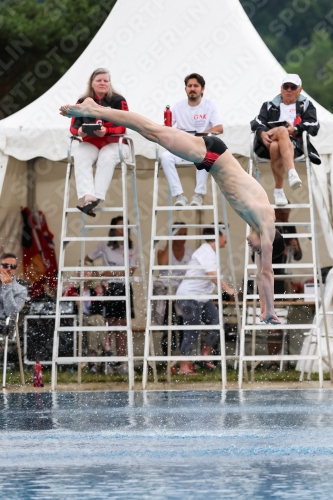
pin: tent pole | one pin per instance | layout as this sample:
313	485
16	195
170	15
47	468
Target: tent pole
3	168
31	183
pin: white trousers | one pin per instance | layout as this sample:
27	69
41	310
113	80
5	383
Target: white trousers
168	162
106	159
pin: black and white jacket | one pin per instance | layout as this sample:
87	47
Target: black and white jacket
270	112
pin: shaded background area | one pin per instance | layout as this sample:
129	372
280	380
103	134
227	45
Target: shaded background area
40	40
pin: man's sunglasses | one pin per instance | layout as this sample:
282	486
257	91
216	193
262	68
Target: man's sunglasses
7	266
290	86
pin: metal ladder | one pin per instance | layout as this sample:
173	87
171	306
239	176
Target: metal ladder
65	271
325	314
313	268
149	353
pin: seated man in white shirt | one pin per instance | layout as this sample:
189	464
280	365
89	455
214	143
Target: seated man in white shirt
192	114
281	144
195	311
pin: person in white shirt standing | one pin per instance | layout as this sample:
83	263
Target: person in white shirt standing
180	256
195	311
192	114
281	144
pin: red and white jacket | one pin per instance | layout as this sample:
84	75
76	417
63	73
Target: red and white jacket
116	102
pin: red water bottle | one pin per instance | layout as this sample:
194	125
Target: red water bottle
168	117
297	121
38	377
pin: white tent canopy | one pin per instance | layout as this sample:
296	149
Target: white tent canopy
149	46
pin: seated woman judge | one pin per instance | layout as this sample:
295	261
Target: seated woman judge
112	254
98	146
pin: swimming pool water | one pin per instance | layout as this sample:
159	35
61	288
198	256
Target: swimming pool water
167	445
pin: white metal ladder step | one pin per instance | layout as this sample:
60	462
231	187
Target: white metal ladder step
293	205
288	326
97	209
92	238
286	266
188	237
286	357
284	296
186	208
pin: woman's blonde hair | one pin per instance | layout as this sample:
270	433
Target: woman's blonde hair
90	92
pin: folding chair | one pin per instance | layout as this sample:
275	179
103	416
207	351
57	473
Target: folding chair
9	334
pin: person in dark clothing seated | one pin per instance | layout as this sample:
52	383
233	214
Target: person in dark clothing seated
292	251
278	133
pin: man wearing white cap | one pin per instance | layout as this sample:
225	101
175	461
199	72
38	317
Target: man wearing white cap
279	127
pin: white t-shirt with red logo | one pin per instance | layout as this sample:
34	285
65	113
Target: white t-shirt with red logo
287	112
199	118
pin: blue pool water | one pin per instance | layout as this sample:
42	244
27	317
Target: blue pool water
166	445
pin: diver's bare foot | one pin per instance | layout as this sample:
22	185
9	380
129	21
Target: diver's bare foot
271	319
186	368
87	108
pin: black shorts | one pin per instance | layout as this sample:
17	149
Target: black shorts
117	308
215	148
279	287
262	151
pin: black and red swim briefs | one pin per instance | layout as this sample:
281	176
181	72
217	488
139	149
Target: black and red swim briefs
215	148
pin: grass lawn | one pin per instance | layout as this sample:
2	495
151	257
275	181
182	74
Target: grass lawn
70	377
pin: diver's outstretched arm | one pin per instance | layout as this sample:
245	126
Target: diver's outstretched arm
265	280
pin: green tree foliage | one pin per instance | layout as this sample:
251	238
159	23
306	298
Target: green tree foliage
299	33
39	41
317	59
